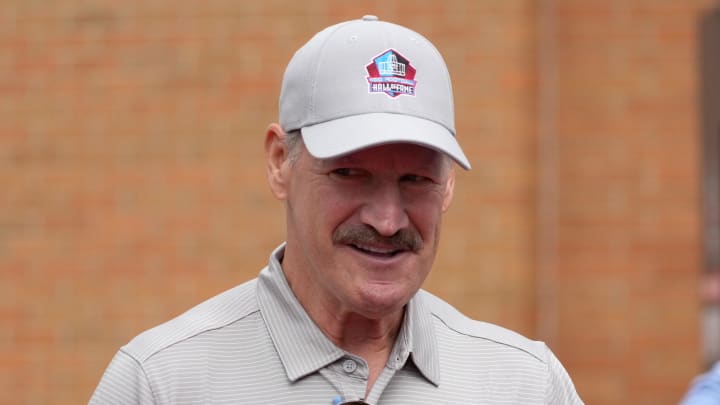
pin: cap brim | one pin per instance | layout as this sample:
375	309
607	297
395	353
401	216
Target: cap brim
349	134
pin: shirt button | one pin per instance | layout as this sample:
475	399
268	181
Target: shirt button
349	366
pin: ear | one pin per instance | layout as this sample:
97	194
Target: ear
449	190
276	154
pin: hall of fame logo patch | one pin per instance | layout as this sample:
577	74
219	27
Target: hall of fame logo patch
392	74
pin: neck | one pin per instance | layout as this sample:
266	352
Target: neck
360	335
370	339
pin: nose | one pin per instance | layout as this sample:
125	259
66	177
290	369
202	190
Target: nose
384	209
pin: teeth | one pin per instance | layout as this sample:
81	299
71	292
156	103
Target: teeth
376	250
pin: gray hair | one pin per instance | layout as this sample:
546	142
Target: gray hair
293	140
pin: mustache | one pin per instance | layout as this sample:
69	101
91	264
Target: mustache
404	239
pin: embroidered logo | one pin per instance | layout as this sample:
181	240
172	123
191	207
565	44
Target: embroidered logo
392	74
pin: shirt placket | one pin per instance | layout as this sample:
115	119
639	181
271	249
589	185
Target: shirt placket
349	376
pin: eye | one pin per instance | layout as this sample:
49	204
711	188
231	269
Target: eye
342	172
416	179
345	172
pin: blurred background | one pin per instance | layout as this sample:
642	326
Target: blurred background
133	183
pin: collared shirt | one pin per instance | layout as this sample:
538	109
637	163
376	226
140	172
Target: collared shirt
705	389
255	344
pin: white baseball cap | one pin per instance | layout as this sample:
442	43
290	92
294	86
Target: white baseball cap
364	83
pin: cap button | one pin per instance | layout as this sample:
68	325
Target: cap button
369	18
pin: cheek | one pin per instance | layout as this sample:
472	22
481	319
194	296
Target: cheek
329	210
427	219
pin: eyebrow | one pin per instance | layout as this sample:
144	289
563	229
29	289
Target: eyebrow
343	159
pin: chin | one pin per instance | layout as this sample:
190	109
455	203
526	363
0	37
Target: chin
378	301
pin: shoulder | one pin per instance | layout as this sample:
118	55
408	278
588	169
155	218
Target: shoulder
477	348
704	388
217	312
458	323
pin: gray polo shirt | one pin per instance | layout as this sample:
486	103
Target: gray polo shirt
255	344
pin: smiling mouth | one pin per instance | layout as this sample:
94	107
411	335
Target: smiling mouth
376	251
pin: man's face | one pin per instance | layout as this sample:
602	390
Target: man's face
363	229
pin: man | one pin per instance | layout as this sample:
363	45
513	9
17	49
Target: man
705	390
363	159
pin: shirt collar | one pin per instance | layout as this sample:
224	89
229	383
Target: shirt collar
421	335
304	349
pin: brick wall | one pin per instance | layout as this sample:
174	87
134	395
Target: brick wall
133	184
628	224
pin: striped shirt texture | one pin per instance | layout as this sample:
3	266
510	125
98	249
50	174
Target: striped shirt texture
255	344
